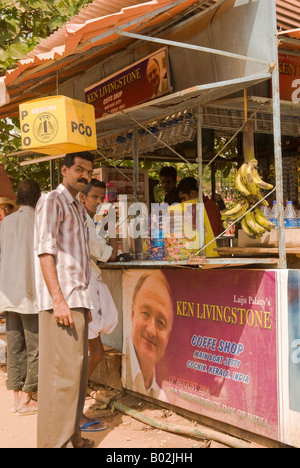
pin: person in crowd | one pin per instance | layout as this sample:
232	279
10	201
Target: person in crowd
168	175
152	321
18	299
104	312
7	207
188	191
62	279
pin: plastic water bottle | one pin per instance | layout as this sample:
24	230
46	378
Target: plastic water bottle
157	240
274	214
188	126
266	211
151	140
128	145
290	216
119	146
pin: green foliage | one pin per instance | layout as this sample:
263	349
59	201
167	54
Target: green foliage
23	25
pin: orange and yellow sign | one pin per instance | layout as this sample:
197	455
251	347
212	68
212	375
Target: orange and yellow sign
58	125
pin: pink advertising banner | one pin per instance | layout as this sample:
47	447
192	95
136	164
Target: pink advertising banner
205	341
144	80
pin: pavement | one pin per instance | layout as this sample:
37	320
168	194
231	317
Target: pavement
124	432
15	431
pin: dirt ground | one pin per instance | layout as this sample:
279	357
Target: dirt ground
123	431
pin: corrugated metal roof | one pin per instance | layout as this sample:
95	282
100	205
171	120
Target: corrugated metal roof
91	35
76	35
288	18
96	9
288	14
288	22
79	46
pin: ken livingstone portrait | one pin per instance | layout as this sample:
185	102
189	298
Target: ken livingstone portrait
151	326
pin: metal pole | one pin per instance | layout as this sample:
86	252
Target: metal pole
200	152
277	145
185	45
200	176
135	165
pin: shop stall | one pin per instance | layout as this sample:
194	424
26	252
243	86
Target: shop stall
221	351
225	348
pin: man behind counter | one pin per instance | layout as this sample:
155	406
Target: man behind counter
104	312
91	197
188	190
168	177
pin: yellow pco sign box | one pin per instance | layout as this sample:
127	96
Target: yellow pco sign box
58	125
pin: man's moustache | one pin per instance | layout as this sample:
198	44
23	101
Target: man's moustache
84	181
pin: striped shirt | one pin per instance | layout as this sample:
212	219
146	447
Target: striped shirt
61	231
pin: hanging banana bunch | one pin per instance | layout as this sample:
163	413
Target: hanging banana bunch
249	184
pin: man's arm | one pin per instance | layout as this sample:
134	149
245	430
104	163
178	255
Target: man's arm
114	245
61	310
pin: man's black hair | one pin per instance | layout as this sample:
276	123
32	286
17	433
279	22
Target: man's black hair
169	171
93	183
69	160
187	184
28	193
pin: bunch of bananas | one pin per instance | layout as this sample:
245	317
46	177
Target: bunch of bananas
249	184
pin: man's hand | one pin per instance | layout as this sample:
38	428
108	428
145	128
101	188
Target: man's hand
61	310
62	313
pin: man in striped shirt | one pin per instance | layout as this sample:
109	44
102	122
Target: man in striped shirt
62	279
